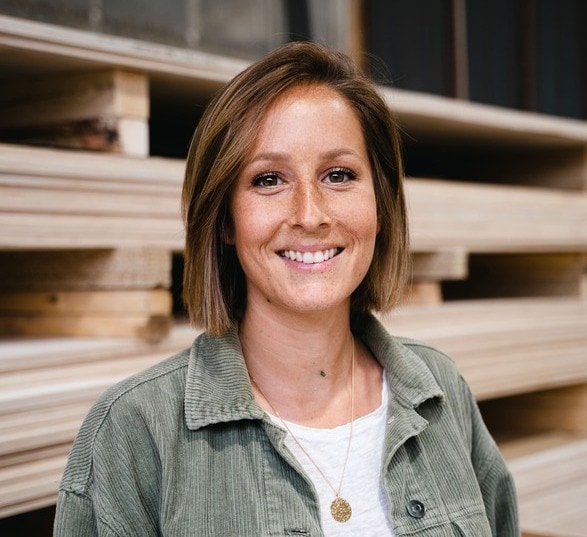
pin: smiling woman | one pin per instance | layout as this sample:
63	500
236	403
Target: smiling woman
295	413
223	146
320	199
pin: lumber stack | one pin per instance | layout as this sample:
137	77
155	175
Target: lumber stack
551	471
46	388
431	268
86	293
55	199
506	346
80	200
112	273
543	435
498	212
103	111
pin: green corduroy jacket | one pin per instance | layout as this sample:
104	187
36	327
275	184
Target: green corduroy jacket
183	449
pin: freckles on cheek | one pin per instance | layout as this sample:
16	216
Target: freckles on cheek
240	218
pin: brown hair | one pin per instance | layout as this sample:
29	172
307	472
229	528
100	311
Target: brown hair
214	287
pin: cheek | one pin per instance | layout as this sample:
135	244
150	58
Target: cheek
365	214
371	225
239	218
251	227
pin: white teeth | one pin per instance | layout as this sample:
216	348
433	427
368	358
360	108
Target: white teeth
310	257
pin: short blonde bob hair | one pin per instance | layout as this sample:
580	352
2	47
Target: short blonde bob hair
214	286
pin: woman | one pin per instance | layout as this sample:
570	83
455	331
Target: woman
295	413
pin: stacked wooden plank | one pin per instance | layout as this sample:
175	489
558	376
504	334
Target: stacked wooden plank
551	476
549	460
104	110
86	293
429	269
61	199
503	230
506	346
46	388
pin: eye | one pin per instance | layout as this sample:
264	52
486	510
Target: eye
340	175
267	180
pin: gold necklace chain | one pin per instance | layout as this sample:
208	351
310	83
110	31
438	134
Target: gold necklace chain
339	508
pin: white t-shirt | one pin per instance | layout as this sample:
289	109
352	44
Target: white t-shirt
362	485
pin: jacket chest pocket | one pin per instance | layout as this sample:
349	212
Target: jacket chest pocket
475	525
472	526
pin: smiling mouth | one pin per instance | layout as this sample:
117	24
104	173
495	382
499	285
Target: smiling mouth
310	257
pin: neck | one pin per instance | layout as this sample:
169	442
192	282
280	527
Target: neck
302	364
302	344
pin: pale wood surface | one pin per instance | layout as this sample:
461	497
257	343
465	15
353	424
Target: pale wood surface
490	218
149	326
46	388
26	354
144	313
68	303
561	409
112	93
504	346
484	123
69	270
423	293
450	264
29	485
552	486
48	199
28	42
104	111
20	231
111	171
511	275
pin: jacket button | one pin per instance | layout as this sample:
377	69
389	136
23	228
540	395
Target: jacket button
416	509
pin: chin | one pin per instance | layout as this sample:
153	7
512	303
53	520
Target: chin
317	306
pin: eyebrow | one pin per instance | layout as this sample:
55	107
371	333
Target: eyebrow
284	156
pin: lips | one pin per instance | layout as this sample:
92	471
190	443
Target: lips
310	257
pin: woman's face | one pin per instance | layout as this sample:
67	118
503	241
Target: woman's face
303	210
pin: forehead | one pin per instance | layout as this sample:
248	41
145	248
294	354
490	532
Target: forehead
319	94
312	112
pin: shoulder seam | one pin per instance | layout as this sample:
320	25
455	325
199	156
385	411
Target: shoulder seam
133	387
416	343
107	408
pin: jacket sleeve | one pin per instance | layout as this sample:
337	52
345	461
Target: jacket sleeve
75	517
495	480
110	486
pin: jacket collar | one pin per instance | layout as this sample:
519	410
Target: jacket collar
218	388
410	379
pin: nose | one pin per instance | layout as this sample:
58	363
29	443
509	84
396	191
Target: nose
309	206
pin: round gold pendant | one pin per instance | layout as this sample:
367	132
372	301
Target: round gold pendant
340	509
